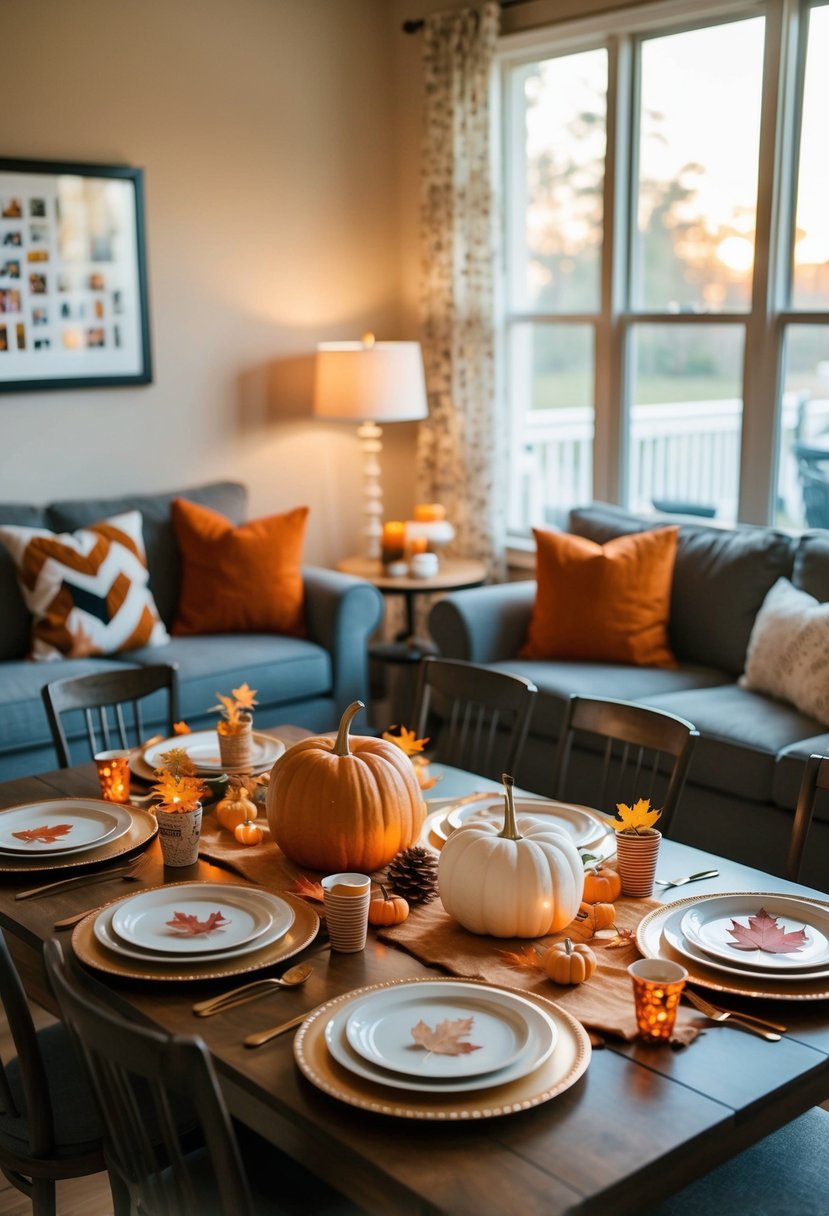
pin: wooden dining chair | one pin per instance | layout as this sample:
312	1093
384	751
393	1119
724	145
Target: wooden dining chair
49	1124
626	752
152	1164
815	779
475	718
111	703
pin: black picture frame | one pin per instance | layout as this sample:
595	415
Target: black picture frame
74	311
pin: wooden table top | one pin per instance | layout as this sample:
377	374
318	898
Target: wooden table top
638	1125
453	574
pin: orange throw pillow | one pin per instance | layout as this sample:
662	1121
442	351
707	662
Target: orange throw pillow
239	580
603	603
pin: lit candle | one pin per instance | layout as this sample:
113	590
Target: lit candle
429	512
418	544
394	540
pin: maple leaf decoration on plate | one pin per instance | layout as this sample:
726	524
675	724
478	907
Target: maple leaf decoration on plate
187	924
764	932
43	835
445	1039
634	818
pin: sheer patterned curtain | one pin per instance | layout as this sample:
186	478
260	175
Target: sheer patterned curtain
461	446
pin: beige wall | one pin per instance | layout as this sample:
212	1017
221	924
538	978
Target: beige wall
264	130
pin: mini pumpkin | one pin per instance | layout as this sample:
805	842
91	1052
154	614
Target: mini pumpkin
524	881
568	964
248	832
235	808
597	916
344	804
386	909
601	885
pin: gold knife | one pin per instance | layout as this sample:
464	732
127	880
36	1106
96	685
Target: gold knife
265	1036
80	880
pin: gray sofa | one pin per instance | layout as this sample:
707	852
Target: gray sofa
303	681
748	761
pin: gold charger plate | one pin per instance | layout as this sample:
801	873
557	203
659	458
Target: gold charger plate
143	829
651	944
562	1069
90	951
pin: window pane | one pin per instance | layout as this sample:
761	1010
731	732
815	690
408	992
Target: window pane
556	188
686	418
698	148
811	249
803	480
551	399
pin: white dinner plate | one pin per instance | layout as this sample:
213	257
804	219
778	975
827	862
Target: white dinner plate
540	1036
580	826
379	1028
83	823
708	926
247	913
673	937
106	935
202	746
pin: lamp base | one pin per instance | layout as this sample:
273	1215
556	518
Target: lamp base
371	442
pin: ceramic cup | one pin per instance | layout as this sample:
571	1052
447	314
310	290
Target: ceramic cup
114	775
636	858
657	987
346	899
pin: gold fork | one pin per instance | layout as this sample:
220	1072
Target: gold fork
762	1026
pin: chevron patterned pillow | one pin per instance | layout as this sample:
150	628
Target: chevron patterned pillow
88	591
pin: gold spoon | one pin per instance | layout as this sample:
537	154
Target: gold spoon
249	992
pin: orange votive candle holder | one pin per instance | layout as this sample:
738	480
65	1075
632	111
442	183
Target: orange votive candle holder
114	775
429	512
394	540
657	988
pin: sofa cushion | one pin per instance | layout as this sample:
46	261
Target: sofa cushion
602	603
556	681
239	579
788	652
811	564
23	722
741	733
228	497
281	669
87	590
721	577
16	631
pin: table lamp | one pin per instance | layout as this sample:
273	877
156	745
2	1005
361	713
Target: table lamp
370	382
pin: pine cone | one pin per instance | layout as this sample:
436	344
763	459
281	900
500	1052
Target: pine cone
414	874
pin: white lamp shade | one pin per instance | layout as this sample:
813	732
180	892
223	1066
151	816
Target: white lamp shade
370	382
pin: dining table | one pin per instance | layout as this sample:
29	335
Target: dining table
636	1124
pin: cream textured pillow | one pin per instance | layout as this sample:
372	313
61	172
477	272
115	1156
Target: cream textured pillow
88	590
788	651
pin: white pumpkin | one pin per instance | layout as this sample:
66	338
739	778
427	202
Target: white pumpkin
524	881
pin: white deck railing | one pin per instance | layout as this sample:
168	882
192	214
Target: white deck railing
687	452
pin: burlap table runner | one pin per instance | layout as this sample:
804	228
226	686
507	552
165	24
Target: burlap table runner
603	1005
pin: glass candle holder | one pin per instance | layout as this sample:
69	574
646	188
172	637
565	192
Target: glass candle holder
394	541
657	988
114	775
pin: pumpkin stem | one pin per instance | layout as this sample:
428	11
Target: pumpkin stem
509	830
568	946
341	742
383	889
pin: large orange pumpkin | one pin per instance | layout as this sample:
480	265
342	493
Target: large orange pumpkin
351	803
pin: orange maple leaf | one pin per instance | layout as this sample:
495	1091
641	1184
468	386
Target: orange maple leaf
405	740
181	728
445	1039
527	958
45	835
624	937
308	890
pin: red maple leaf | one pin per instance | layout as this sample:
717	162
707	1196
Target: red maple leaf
445	1039
187	924
763	932
45	835
307	889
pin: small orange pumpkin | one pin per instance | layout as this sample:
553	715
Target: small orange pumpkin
235	808
248	832
568	964
601	885
387	909
597	916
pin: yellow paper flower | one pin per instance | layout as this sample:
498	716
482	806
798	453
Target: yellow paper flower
241	699
177	788
636	817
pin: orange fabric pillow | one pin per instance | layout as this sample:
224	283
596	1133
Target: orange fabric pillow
605	603
239	580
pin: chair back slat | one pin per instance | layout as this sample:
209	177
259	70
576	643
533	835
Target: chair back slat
815	778
476	718
644	753
110	705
